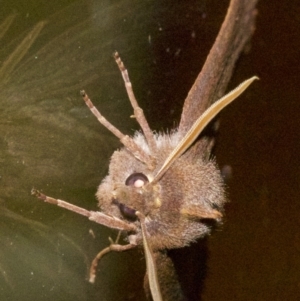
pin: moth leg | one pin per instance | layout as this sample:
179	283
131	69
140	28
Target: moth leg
138	112
114	246
96	216
125	139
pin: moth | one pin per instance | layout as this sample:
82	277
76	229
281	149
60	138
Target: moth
158	190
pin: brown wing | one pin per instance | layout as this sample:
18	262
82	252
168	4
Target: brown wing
212	81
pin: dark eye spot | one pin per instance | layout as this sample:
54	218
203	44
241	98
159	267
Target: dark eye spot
137	180
127	212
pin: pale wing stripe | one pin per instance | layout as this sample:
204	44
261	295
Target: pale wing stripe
201	123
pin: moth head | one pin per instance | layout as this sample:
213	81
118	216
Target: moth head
128	186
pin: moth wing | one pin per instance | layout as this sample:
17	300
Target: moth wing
213	79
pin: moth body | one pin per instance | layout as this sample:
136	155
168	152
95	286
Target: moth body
178	208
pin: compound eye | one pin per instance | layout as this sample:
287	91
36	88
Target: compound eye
127	212
137	180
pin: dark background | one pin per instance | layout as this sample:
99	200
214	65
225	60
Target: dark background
51	141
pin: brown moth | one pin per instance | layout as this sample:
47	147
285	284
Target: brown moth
160	190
